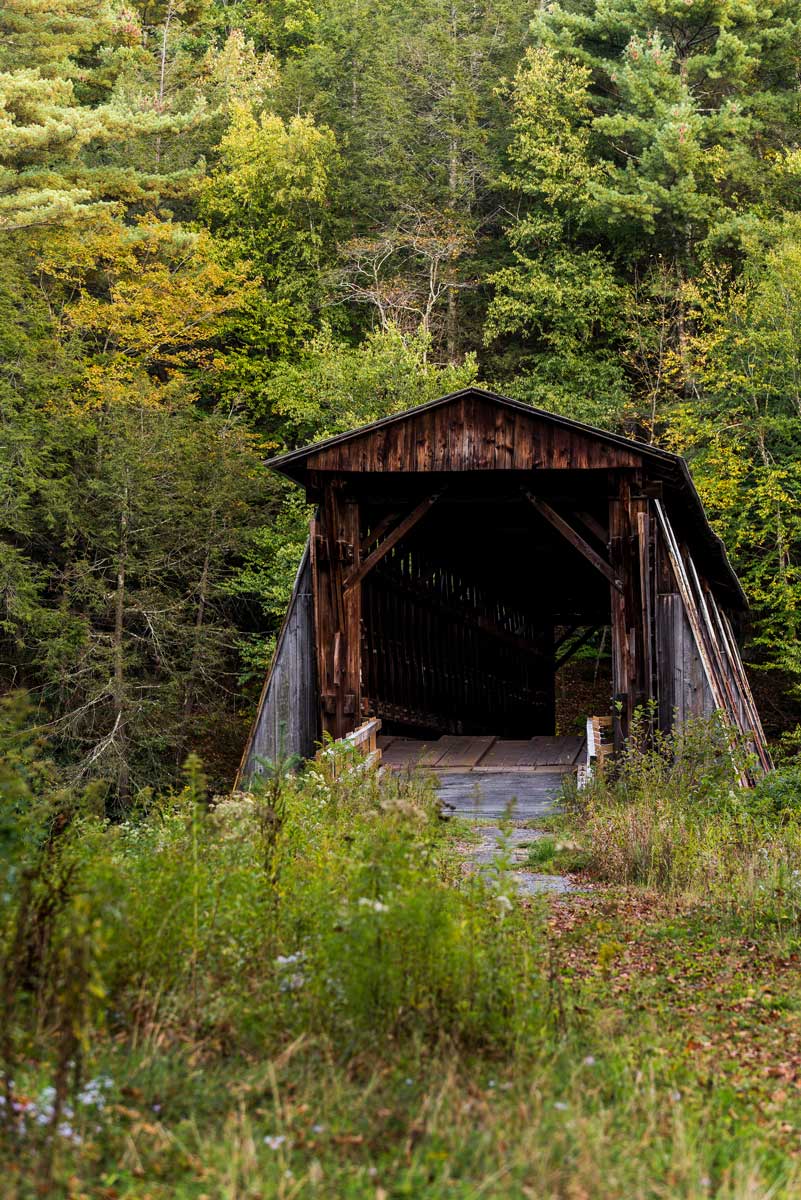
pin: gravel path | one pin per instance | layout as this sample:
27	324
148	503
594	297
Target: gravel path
519	798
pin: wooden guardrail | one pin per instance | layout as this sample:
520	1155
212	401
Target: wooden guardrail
362	741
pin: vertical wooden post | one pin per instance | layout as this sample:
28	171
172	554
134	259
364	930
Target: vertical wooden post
335	551
631	634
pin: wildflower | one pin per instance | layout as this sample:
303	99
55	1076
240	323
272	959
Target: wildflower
275	1141
560	1105
504	903
589	1061
675	1097
288	960
318	1128
375	905
293	983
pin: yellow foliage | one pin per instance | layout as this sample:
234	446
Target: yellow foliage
146	300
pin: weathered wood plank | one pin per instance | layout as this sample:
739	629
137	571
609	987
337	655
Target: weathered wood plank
463	436
465	752
286	722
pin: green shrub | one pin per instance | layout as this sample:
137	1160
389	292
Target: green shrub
671	816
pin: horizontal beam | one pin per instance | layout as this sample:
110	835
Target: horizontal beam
392	538
576	540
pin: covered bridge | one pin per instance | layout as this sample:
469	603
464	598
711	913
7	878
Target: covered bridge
461	551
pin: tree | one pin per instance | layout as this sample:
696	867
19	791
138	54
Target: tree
64	107
334	386
267	204
684	115
744	441
410	92
563	294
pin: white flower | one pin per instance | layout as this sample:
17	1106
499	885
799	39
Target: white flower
293	983
374	905
504	903
589	1061
275	1141
560	1105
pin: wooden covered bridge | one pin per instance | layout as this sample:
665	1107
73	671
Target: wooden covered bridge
463	550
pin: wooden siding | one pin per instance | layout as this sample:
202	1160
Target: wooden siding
471	434
286	722
683	689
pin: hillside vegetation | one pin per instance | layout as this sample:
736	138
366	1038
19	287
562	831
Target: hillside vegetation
227	229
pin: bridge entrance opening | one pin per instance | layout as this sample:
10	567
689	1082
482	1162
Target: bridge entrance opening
471	623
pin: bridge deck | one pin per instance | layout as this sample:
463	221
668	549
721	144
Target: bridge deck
484	755
490	777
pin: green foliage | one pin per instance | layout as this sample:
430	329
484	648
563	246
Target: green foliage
333	387
292	221
562	294
743	441
303	980
672	817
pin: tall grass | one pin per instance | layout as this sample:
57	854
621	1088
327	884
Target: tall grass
671	816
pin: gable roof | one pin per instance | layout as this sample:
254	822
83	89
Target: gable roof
671	468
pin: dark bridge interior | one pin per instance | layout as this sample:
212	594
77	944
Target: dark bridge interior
467	620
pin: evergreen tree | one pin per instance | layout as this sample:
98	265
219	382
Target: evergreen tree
682	119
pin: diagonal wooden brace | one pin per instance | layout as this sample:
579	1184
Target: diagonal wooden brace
576	540
392	538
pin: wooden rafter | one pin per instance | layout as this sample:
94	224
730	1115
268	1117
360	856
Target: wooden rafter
381	528
575	539
392	538
594	526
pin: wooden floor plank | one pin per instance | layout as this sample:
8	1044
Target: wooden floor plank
404	752
482	753
432	752
581	752
464	752
551	751
503	754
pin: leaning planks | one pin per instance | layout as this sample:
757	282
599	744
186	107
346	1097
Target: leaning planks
719	655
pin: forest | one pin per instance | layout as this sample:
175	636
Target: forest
228	229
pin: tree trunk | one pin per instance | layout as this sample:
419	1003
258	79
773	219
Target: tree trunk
452	319
200	616
120	735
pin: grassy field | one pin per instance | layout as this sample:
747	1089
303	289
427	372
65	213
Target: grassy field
304	994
